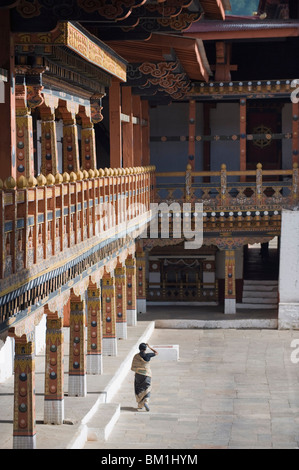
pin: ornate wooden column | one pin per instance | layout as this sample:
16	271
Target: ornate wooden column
230	282
109	317
243	140
131	291
127	127
49	152
115	125
7	115
137	132
207	143
54	370
192	123
295	132
68	112
89	117
24	424
141	280
94	362
77	360
24	131
145	133
121	301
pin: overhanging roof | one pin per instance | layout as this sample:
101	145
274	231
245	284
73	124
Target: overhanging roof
78	40
213	9
209	30
190	53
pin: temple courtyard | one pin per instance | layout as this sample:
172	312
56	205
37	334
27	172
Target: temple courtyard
229	388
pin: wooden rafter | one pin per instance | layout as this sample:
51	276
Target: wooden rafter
158	46
213	9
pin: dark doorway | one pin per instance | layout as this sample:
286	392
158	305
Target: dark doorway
261	261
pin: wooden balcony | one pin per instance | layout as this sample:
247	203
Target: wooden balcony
183	292
53	228
232	200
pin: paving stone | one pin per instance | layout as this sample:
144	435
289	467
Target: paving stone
232	389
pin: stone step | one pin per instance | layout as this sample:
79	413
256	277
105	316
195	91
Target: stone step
260	295
259	300
101	424
260	282
257	306
261	288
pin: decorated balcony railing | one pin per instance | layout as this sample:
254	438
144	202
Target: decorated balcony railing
232	198
47	219
182	291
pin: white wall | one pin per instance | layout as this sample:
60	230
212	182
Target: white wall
7	349
6	358
288	313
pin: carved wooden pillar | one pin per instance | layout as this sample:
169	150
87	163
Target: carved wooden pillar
89	116
54	370
243	139
7	115
131	291
88	147
24	425
94	362
121	301
295	132
49	152
77	360
145	133
192	123
223	62
109	318
141	280
230	282
24	131
71	161
137	132
207	143
115	125
127	127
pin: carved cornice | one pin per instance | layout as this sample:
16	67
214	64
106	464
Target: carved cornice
163	77
80	41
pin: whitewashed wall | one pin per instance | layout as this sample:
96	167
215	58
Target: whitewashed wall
7	350
288	313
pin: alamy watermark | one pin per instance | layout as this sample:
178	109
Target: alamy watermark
175	221
295	353
294	97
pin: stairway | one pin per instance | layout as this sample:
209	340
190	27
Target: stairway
259	294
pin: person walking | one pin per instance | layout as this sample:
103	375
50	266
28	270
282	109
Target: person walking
143	375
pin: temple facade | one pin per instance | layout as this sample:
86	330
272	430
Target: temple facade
149	156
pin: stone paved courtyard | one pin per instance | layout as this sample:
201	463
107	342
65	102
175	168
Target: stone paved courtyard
229	389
